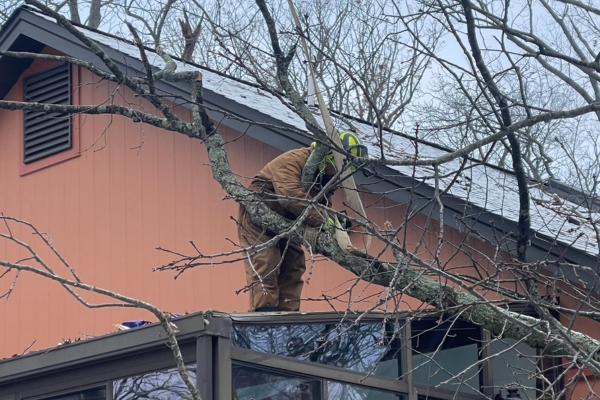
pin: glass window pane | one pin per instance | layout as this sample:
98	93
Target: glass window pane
163	385
370	347
256	384
88	394
512	363
336	390
446	355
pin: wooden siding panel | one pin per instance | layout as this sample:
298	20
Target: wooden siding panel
52	219
83	237
117	202
184	202
165	211
102	272
149	204
202	229
134	143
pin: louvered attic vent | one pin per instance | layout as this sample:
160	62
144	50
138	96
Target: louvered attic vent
46	133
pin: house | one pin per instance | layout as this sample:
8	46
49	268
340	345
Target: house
108	191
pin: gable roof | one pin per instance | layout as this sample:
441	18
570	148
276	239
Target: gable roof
482	198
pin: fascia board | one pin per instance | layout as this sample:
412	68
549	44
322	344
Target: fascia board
305	317
112	345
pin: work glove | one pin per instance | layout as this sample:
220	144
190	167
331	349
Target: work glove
344	221
329	226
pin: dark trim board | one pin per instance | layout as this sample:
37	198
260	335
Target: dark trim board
132	364
114	345
249	357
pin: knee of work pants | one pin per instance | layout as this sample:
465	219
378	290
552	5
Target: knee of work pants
261	267
290	276
270	284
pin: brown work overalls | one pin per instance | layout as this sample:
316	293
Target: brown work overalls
282	265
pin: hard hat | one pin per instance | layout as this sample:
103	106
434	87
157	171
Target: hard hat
350	143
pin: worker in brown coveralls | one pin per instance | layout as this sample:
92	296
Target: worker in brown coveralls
282	284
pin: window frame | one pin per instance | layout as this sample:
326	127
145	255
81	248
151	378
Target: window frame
404	385
73	390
